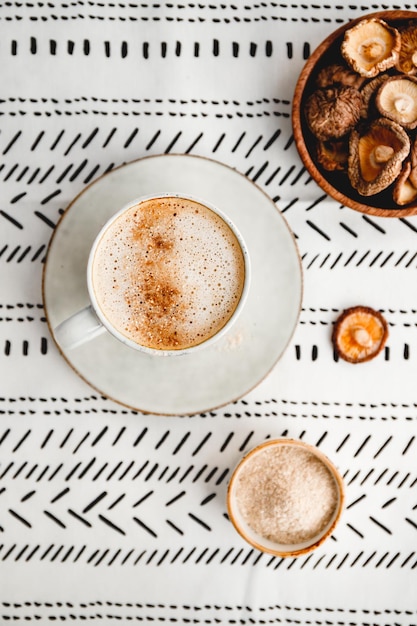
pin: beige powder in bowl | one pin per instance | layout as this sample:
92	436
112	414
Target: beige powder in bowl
286	494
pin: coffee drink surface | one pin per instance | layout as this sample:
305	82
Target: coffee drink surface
168	273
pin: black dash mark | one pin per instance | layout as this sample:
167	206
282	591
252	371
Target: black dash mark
116	502
99	436
142	499
152	141
199	521
260	171
173	142
175	498
20	518
11	219
201	444
18	197
194	143
60	495
21	441
131	138
410	521
29	556
44	345
149	530
111	524
79	518
375	521
95	501
90	138
318	230
12	142
55	519
174	527
140	437
50	197
28	495
55	472
77	171
87	467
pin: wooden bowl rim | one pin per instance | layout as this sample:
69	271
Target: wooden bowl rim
322	48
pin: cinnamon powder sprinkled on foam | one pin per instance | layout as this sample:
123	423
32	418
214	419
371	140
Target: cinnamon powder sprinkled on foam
286	494
168	273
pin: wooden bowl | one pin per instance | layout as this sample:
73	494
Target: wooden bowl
336	184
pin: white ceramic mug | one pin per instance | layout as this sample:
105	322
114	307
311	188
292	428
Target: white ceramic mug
151	257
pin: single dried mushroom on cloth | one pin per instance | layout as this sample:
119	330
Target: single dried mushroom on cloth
334	111
359	334
371	46
376	155
397	100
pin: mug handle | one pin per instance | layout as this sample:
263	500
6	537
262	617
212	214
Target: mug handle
78	329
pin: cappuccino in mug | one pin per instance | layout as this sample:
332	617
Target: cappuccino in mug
168	273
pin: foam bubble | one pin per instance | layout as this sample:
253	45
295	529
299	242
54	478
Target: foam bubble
168	273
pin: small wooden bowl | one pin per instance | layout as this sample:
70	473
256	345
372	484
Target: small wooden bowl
267	545
336	184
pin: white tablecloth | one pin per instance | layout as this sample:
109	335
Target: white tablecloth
108	514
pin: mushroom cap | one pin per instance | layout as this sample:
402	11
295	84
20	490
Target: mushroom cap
333	154
397	100
404	191
376	155
332	112
368	92
359	334
371	46
338	74
407	58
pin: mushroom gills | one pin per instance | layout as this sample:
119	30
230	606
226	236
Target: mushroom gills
371	46
359	334
376	156
397	100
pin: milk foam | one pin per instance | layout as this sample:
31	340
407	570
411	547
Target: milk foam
168	273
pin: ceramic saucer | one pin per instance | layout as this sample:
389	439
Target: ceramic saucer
224	371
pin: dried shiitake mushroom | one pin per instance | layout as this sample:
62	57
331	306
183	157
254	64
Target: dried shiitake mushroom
407	58
397	100
371	46
368	93
376	155
359	334
338	74
404	191
333	155
363	110
333	111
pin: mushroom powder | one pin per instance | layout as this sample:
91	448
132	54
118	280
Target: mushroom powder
286	494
